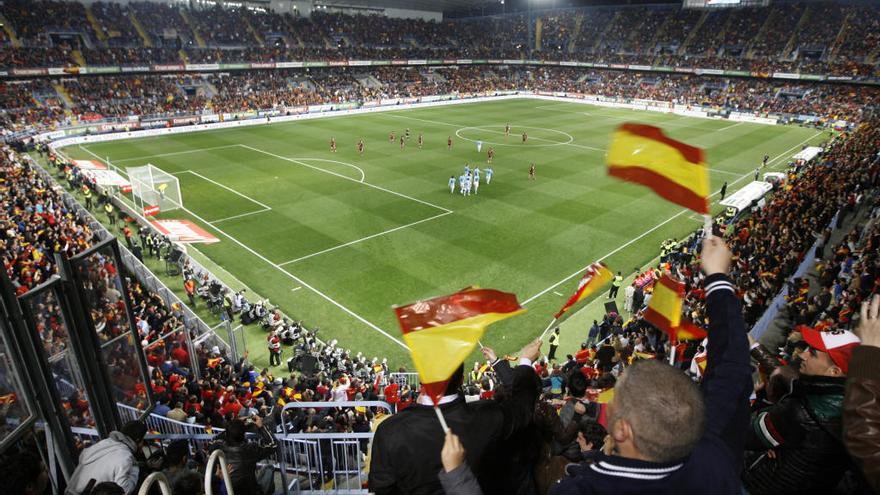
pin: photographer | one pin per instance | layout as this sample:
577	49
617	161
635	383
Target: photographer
242	456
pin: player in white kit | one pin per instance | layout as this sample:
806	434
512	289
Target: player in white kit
452	184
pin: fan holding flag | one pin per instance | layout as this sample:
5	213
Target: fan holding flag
441	332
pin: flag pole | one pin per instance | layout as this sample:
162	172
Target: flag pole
707	225
441	418
552	322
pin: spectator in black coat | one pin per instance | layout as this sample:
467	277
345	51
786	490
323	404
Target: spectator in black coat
406	447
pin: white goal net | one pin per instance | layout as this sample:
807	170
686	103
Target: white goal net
151	186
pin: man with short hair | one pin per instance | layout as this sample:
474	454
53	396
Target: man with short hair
112	459
796	444
242	456
664	436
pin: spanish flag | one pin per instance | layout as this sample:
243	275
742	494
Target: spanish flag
442	331
595	277
664	311
674	170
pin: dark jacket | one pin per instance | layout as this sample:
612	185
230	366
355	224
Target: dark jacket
714	465
861	412
242	459
406	448
804	429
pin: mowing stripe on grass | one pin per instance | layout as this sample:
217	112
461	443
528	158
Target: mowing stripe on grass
673	217
362	239
245	196
298	280
449	124
292	276
233	217
169	154
374	186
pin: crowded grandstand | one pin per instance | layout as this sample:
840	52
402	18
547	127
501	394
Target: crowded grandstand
227	226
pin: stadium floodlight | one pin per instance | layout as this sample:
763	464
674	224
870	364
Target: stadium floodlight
152	186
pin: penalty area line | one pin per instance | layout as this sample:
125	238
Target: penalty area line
299	280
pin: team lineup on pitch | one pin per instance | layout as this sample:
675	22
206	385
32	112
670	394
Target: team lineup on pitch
366	227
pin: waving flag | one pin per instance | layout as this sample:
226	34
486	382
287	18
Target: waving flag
664	311
674	170
595	277
442	331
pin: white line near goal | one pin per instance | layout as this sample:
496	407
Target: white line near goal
362	239
245	196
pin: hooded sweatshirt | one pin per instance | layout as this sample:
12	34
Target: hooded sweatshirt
111	459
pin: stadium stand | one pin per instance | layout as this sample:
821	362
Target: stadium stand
201	389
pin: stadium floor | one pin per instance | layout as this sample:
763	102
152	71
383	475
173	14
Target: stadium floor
337	239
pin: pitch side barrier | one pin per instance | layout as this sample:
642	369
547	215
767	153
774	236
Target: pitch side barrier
318	463
197	123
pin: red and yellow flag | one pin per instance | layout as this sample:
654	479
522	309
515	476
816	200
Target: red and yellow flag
442	331
664	311
674	170
595	277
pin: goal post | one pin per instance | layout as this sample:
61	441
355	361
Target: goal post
152	186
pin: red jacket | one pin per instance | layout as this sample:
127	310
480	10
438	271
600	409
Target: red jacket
391	392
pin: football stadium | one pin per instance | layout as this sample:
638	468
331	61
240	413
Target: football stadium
440	247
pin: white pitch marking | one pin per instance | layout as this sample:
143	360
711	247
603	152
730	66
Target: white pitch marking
296	288
363	175
374	186
174	153
212	181
652	229
461	127
727	172
558	294
233	217
731	126
299	280
365	238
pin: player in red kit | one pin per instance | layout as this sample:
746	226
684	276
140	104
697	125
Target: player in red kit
449	143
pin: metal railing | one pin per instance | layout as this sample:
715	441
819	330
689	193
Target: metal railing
157	477
411	379
216	456
324	462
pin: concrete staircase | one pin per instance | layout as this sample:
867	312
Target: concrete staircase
575	33
141	31
200	42
257	36
690	37
792	41
63	95
96	26
769	23
872	57
838	40
608	27
657	33
78	57
10	32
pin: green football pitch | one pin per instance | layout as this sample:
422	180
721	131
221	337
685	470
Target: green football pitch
337	239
